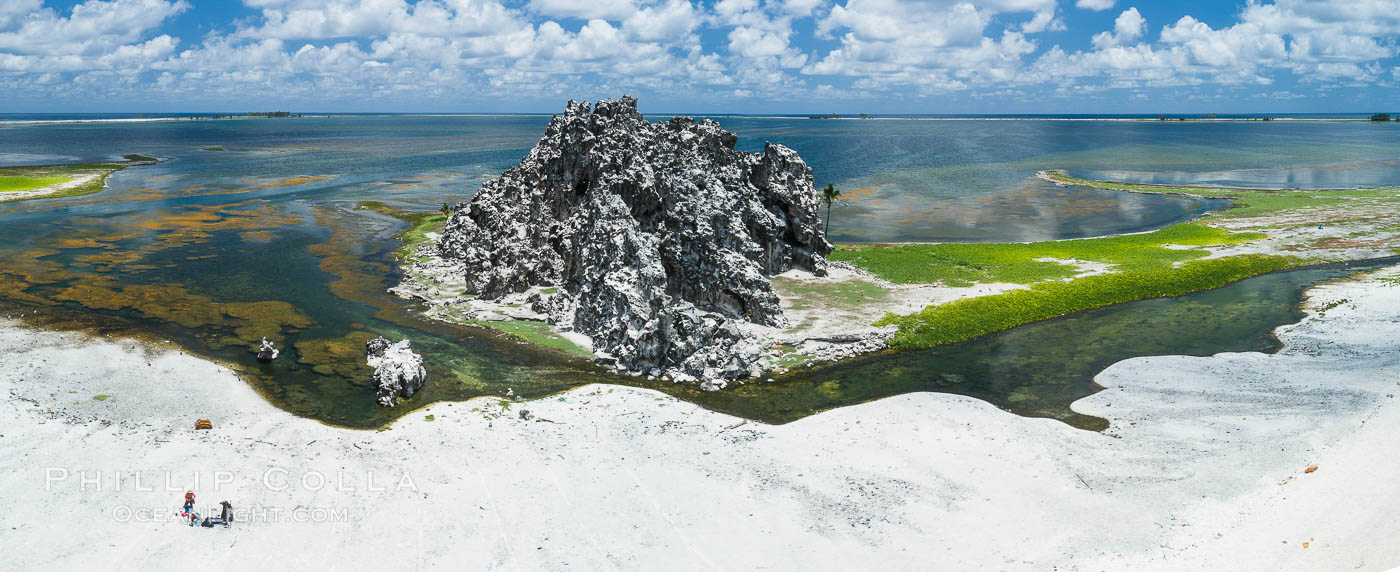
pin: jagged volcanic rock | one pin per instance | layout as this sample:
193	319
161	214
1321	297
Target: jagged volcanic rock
398	372
267	351
659	236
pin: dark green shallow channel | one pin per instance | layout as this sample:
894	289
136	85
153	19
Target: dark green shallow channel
1039	369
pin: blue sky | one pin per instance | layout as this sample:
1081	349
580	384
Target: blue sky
741	56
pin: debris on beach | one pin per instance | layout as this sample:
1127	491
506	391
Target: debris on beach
398	372
203	424
1310	469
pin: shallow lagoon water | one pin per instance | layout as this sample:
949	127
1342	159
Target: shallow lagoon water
213	249
943	180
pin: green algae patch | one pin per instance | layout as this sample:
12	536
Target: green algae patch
253	321
1022	394
12	184
968	318
963	264
343	356
59	274
535	332
101	397
173	303
843	295
420	224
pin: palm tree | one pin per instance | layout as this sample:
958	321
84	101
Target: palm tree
829	195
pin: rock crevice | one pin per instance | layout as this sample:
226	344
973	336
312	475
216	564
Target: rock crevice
659	239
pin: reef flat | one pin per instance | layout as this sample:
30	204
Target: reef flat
59	181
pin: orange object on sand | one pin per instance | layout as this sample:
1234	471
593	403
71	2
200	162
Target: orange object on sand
1310	469
203	424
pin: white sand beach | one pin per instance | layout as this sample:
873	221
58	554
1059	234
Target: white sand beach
1203	467
17	122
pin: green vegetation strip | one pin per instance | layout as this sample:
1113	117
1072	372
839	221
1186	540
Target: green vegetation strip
971	317
421	223
14	184
538	333
962	264
1147	265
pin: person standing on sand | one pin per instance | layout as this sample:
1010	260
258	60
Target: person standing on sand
189	502
226	514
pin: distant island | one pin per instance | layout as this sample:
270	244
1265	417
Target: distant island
269	114
244	115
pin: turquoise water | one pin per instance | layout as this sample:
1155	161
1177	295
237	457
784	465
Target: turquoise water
214	248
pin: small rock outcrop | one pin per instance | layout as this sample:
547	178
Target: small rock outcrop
267	352
398	372
658	239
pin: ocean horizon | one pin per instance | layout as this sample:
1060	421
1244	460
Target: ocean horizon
44	117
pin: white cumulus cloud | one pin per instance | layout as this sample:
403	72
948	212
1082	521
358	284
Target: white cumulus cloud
1127	28
584	9
1095	5
365	51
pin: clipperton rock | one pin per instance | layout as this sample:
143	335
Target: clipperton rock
656	240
